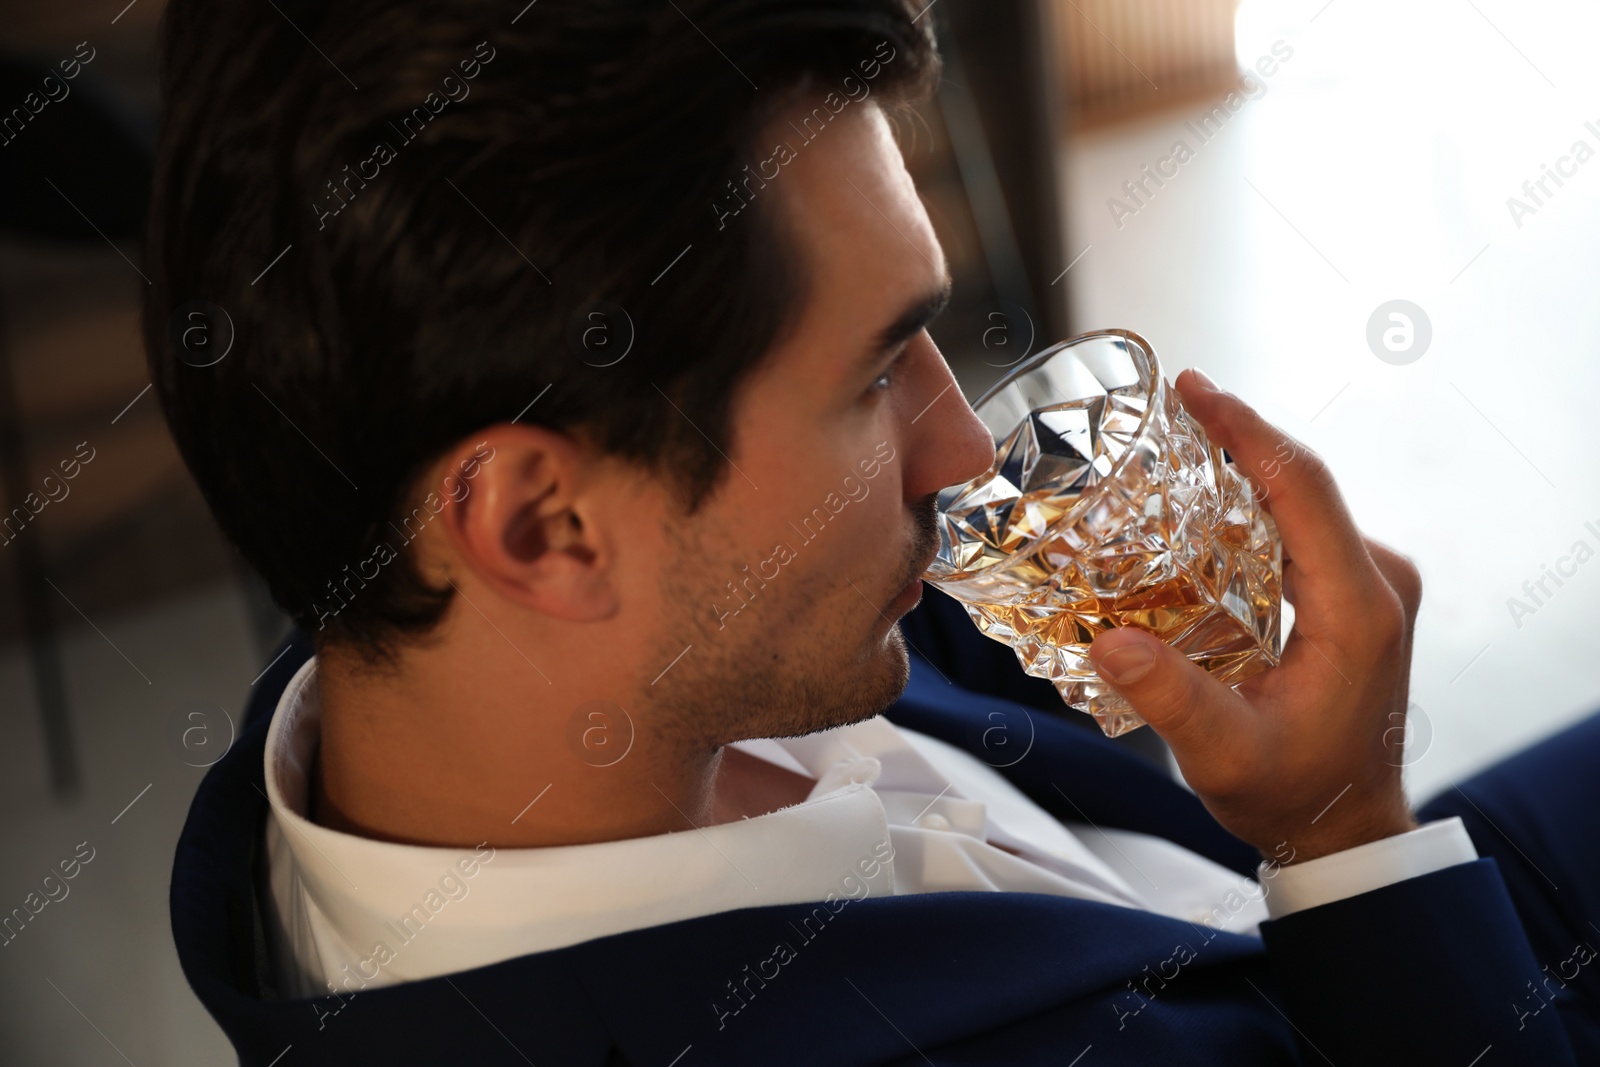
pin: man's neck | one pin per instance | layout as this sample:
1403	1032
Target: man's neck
442	758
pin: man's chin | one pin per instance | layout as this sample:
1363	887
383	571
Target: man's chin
882	680
849	696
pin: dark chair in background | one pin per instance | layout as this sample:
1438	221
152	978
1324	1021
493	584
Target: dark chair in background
74	183
991	178
78	170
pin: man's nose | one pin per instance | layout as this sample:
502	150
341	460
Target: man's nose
947	441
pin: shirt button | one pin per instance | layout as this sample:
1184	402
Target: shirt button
934	821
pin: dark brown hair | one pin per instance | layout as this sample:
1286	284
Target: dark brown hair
377	228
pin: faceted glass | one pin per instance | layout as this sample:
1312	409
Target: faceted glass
1107	506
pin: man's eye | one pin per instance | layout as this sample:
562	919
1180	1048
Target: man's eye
883	381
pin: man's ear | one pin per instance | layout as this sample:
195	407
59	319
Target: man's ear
519	519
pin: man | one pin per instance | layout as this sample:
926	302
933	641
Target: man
579	407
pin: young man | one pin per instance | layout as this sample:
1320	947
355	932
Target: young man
577	403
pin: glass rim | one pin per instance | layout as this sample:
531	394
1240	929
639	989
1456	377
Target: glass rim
1044	355
1155	398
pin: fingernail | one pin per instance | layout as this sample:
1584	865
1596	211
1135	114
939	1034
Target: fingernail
1125	665
1205	380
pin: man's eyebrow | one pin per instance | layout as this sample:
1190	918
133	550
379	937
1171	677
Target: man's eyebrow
911	321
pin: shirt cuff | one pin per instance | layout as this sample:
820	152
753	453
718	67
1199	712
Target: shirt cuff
1338	875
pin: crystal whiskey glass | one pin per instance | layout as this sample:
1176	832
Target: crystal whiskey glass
1107	506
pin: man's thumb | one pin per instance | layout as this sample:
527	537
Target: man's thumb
1180	701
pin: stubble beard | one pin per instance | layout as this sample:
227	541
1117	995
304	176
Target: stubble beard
781	667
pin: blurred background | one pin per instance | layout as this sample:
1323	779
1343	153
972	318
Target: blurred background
1373	220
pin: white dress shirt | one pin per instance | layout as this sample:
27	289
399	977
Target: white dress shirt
893	811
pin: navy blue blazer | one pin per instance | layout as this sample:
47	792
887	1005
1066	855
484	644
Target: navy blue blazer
1426	971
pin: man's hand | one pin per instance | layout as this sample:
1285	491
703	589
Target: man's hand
1304	756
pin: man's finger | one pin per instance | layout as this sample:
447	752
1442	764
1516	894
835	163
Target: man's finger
1401	574
1312	519
1193	712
